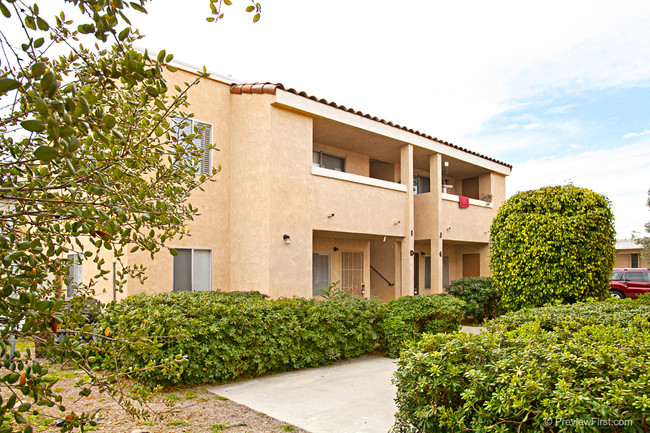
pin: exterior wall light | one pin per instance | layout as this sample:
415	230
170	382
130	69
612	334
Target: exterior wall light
336	248
287	239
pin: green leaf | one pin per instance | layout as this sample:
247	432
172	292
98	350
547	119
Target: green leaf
4	10
173	252
161	56
8	84
42	24
30	23
124	34
19	418
86	28
46	153
138	8
109	121
171	68
250	8
38	69
33	125
256	18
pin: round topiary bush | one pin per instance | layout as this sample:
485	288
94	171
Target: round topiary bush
552	245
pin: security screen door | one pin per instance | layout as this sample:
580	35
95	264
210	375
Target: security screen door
352	272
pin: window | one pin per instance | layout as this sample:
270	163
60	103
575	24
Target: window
352	272
192	270
321	271
634	277
421	184
203	140
635	260
75	273
616	276
427	272
328	160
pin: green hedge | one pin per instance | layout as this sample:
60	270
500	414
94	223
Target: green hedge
225	337
552	245
482	299
526	380
405	319
574	316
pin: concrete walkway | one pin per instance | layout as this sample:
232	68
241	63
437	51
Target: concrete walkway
351	396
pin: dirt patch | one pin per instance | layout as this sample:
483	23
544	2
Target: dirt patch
180	410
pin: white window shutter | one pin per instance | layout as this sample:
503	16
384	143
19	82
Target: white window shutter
75	273
204	141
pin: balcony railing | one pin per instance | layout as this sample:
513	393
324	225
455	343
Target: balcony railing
472	201
349	177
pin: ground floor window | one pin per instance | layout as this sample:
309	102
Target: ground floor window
321	272
635	260
352	272
427	272
192	270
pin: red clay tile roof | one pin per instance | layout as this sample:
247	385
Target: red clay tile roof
270	88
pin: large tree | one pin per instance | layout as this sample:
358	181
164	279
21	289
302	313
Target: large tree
552	245
95	160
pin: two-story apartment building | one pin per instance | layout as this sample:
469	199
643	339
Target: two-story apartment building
312	192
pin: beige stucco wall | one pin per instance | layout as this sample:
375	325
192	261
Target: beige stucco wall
471	224
210	102
624	259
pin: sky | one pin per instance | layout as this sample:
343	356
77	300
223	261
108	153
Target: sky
558	89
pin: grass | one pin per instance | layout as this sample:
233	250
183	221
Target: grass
219	427
177	423
288	427
218	397
172	397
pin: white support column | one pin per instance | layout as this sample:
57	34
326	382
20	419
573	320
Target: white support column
435	173
407	263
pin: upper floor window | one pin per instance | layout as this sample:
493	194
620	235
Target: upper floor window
421	184
328	160
203	140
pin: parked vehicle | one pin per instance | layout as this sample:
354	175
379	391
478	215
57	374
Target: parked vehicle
629	283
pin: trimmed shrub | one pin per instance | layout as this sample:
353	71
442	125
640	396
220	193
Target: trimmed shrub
403	320
623	313
552	245
225	336
482	299
525	380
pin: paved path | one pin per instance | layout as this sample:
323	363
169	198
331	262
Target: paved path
351	396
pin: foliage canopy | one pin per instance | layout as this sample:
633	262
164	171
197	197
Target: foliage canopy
552	245
95	161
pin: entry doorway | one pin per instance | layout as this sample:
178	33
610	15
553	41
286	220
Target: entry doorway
471	265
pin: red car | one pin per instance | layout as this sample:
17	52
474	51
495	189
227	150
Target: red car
629	283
